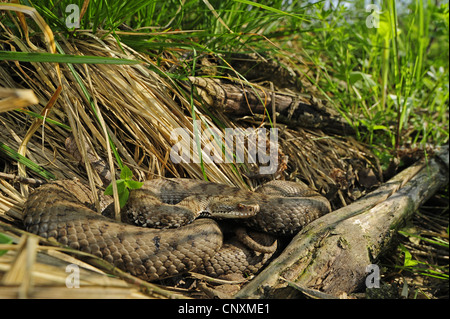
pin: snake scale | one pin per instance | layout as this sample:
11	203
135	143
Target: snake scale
64	210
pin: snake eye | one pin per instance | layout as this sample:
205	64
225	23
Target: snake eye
251	209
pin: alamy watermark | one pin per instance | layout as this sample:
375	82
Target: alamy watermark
73	19
373	277
237	145
373	19
73	278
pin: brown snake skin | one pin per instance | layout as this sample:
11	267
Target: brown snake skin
64	210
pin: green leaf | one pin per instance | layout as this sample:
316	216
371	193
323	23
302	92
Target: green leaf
4	240
109	190
121	186
379	127
357	76
408	262
133	184
123	197
126	173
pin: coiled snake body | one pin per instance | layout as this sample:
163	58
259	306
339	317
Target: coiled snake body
64	210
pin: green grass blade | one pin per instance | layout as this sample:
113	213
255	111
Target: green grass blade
271	9
25	161
61	58
46	119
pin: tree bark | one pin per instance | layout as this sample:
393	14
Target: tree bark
331	254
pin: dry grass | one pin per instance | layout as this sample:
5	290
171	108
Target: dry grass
133	109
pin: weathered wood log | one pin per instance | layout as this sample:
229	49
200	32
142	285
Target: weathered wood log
331	254
238	99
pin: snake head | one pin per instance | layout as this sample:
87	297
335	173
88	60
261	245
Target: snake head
232	208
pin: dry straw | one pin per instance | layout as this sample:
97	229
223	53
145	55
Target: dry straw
123	113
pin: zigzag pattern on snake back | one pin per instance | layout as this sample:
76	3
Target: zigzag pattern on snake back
64	210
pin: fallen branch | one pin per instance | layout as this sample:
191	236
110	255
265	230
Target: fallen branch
331	254
240	99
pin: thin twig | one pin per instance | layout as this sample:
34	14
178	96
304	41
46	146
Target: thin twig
27	180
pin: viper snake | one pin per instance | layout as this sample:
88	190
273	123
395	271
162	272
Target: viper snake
184	240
